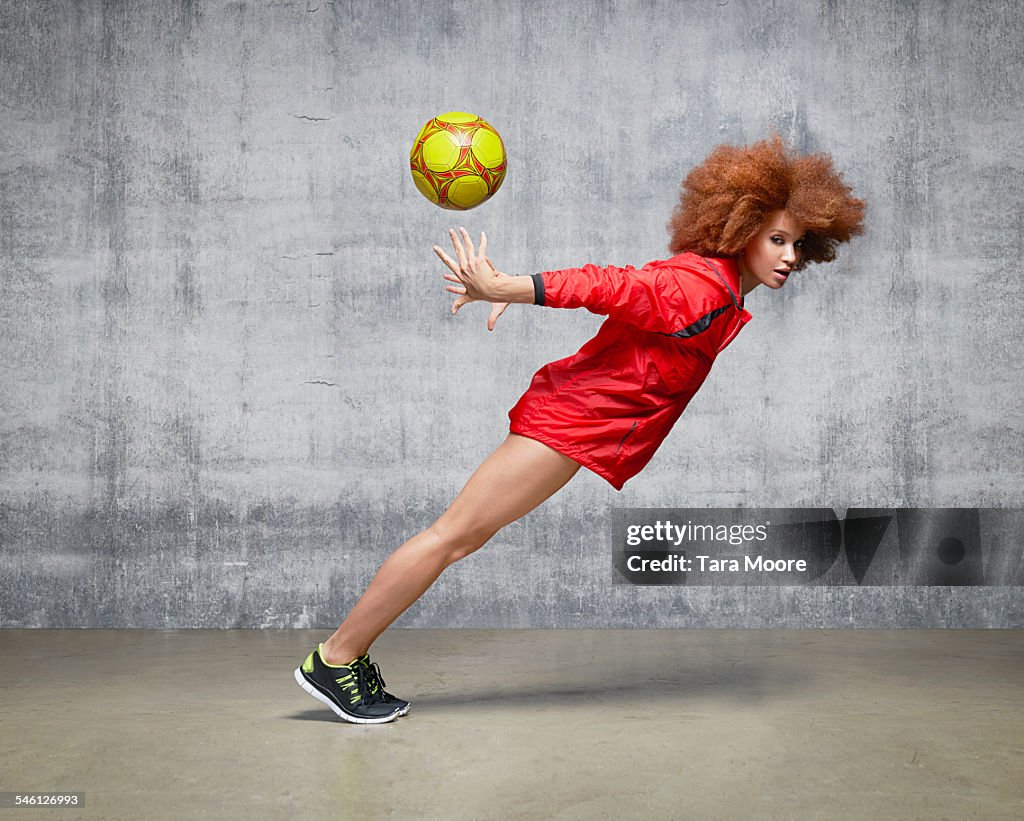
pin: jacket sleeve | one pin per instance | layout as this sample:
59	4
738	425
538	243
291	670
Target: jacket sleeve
653	298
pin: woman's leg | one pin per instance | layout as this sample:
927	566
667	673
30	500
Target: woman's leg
511	482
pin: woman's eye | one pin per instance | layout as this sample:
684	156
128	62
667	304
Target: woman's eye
777	240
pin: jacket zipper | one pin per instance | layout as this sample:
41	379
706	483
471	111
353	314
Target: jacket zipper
622	441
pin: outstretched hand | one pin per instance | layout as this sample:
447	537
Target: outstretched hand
497	308
473	273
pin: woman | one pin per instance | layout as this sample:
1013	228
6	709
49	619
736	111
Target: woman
747	217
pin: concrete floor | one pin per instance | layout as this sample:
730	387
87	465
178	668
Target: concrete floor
523	724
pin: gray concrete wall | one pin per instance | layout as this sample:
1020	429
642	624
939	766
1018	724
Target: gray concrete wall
229	381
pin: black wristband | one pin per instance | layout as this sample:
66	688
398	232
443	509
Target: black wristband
538	289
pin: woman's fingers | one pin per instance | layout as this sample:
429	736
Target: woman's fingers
497	309
465	251
447	260
460	253
470	250
467	268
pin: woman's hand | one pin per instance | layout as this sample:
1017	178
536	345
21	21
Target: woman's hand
474	274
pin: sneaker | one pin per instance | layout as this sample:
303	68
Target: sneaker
373	671
348	689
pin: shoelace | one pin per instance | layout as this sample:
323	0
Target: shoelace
373	671
362	681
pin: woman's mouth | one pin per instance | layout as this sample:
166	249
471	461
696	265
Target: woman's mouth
783	273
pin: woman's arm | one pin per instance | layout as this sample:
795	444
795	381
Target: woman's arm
513	289
655	298
668	297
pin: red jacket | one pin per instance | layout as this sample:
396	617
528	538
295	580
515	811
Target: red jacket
611	404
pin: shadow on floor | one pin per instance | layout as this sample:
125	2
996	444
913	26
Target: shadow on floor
740	680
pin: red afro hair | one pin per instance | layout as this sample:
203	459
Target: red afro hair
725	200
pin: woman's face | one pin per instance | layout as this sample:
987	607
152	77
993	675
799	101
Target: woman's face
773	252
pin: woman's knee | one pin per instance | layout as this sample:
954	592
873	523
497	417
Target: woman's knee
457	542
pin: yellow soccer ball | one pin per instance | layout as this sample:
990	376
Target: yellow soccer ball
458	161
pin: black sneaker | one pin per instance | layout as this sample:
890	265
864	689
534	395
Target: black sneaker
348	689
373	671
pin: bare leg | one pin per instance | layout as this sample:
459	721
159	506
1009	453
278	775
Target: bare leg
511	482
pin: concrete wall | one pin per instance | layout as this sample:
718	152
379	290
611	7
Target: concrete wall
229	381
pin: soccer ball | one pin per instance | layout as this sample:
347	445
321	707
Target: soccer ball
458	161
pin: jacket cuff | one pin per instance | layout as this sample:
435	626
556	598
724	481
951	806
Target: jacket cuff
538	289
